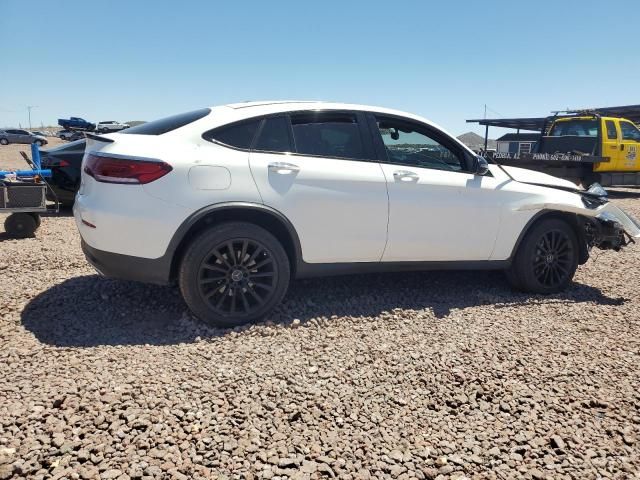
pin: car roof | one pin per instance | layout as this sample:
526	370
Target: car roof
239	111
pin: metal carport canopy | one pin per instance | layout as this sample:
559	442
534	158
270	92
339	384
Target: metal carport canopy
630	112
534	124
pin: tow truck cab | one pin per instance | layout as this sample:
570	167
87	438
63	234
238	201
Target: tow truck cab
617	139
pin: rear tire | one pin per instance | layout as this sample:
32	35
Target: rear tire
234	273
547	259
21	225
4	141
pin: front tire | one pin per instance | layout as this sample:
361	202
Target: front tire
234	273
547	259
4	141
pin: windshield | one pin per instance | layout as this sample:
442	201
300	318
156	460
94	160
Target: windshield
577	128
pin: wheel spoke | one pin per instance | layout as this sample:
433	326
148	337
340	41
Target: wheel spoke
262	274
204	281
243	252
254	294
268	288
233	300
215	268
264	262
245	303
255	253
220	257
232	253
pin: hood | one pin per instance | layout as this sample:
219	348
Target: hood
531	176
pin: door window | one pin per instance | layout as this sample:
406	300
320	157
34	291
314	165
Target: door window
410	144
629	131
612	133
274	136
238	135
328	135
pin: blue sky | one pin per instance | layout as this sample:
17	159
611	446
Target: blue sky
143	59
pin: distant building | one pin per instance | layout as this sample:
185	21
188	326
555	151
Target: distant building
517	142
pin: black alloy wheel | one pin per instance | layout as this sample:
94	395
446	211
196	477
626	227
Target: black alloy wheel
233	273
547	258
553	258
238	276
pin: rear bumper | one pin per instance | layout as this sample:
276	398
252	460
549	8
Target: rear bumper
126	267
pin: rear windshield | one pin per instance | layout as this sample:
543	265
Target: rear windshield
578	128
167	124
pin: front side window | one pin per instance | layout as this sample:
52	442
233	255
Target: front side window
410	144
612	133
629	131
328	135
238	135
274	136
575	128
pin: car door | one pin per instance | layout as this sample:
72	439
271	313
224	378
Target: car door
611	146
629	145
13	136
438	210
319	170
24	136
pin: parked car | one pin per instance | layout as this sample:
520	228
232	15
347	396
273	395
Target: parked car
76	122
21	136
65	134
65	162
40	133
110	126
70	135
234	202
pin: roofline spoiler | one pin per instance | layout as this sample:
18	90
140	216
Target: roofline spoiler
99	138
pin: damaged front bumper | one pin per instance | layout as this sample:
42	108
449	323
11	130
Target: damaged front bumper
605	226
613	228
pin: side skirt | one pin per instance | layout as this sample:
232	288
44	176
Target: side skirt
310	270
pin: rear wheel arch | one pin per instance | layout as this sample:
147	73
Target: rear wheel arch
575	221
269	219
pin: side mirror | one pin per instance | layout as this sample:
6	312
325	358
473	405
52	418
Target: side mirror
480	165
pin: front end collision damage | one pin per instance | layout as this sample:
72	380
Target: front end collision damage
604	225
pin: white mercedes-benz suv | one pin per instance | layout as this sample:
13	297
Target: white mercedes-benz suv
235	201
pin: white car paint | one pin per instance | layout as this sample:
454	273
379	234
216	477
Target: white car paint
342	210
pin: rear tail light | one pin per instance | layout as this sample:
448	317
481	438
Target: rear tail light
123	170
63	163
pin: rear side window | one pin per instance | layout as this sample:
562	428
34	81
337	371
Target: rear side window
274	136
612	133
576	128
167	124
238	135
327	135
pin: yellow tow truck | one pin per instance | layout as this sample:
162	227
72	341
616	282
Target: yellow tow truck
584	146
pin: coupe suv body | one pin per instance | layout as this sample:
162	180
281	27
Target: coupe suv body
235	201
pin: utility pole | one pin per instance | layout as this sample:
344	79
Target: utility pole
486	130
29	107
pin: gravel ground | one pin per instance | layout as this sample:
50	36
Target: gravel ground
422	375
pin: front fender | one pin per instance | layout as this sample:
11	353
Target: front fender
608	211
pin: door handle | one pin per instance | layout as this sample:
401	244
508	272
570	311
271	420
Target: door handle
283	168
622	146
405	176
